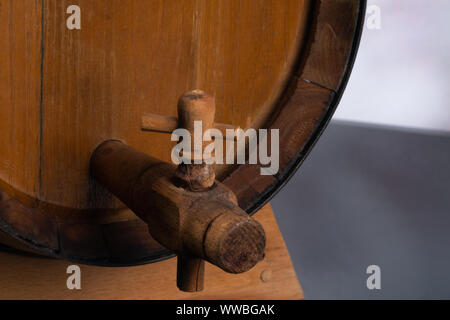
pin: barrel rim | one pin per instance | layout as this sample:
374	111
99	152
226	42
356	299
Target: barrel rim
323	123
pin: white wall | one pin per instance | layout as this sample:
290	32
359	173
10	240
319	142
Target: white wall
402	73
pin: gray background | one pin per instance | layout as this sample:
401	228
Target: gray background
370	196
377	191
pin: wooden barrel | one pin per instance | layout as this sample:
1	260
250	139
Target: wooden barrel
273	64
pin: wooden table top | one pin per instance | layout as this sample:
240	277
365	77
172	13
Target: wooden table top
26	277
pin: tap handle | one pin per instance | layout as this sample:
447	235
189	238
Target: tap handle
196	112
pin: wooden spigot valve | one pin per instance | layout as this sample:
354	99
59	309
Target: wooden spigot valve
186	209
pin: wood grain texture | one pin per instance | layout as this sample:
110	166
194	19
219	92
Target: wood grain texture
129	57
270	64
133	58
247	50
42	278
20	86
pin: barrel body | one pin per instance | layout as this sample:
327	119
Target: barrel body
269	64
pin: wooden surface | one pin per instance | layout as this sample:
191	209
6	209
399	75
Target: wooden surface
20	91
42	278
128	59
279	64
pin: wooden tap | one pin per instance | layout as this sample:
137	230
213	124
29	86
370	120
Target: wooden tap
186	209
